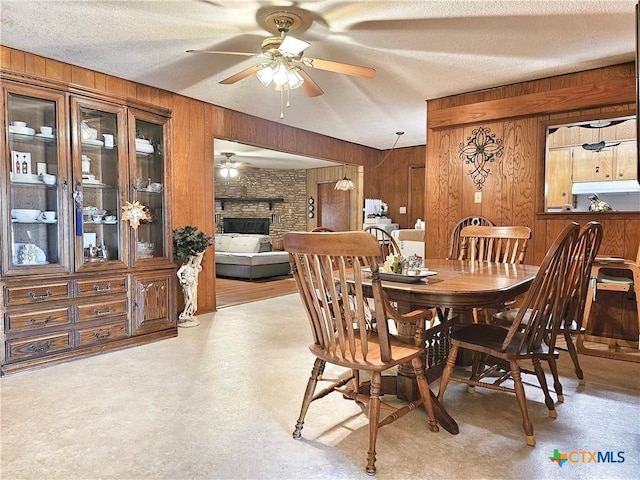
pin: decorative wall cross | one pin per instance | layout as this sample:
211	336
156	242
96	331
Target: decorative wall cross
480	149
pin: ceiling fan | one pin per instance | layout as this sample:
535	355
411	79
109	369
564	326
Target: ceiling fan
282	59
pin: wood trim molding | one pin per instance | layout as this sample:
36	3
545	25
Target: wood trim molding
541	103
76	89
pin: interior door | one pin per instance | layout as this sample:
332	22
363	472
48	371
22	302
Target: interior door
332	207
416	194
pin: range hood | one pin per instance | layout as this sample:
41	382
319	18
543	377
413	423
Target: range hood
612	186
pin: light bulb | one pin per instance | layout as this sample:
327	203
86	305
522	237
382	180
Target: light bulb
233	172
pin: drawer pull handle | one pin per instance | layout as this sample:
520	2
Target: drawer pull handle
98	288
39	347
101	313
35	323
36	297
101	336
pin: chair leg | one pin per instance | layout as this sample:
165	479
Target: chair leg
553	366
574	357
425	393
374	419
537	367
522	402
448	369
316	372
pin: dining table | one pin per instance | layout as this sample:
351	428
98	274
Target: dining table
453	288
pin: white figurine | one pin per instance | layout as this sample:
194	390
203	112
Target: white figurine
188	277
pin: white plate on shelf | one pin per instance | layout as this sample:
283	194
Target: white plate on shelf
97	143
25	178
144	148
110	223
22	130
47	221
41	258
92	182
42	135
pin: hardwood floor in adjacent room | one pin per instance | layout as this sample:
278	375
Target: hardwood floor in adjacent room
232	291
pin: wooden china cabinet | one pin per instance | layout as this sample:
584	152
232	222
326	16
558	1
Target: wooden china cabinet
77	279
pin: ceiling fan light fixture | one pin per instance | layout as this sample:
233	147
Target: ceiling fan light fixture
280	75
265	75
233	171
292	46
294	78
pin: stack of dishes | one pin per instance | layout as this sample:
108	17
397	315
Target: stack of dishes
143	146
21	128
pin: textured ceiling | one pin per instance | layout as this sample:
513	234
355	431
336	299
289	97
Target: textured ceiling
420	50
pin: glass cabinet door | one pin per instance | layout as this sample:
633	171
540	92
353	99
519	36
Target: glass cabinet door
149	173
100	181
35	211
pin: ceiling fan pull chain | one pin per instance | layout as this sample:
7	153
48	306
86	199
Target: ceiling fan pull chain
281	105
288	104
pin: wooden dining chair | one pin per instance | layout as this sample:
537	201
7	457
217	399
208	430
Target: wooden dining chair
577	278
489	243
454	246
533	340
340	332
322	229
494	244
388	244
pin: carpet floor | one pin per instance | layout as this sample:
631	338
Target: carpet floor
220	402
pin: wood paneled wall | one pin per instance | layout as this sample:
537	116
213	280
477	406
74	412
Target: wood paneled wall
512	195
389	180
195	124
513	192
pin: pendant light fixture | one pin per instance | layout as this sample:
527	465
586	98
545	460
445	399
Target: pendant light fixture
345	184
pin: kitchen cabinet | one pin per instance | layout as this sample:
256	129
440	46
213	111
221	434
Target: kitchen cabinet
626	161
78	279
591	166
559	182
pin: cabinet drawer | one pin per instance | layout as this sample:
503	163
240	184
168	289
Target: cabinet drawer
102	333
107	286
37	293
38	346
35	320
96	310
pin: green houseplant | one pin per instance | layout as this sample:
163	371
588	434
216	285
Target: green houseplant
189	241
189	245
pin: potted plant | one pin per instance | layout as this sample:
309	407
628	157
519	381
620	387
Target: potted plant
189	245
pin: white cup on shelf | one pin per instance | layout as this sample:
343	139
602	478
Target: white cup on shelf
108	140
46	130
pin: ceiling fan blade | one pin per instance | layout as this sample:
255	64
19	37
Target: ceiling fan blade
219	52
309	87
338	67
240	75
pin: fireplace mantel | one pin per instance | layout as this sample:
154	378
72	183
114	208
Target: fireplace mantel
269	200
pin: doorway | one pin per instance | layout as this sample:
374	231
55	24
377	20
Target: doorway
333	207
416	194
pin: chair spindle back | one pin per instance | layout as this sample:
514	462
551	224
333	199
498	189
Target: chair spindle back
547	299
322	264
494	244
